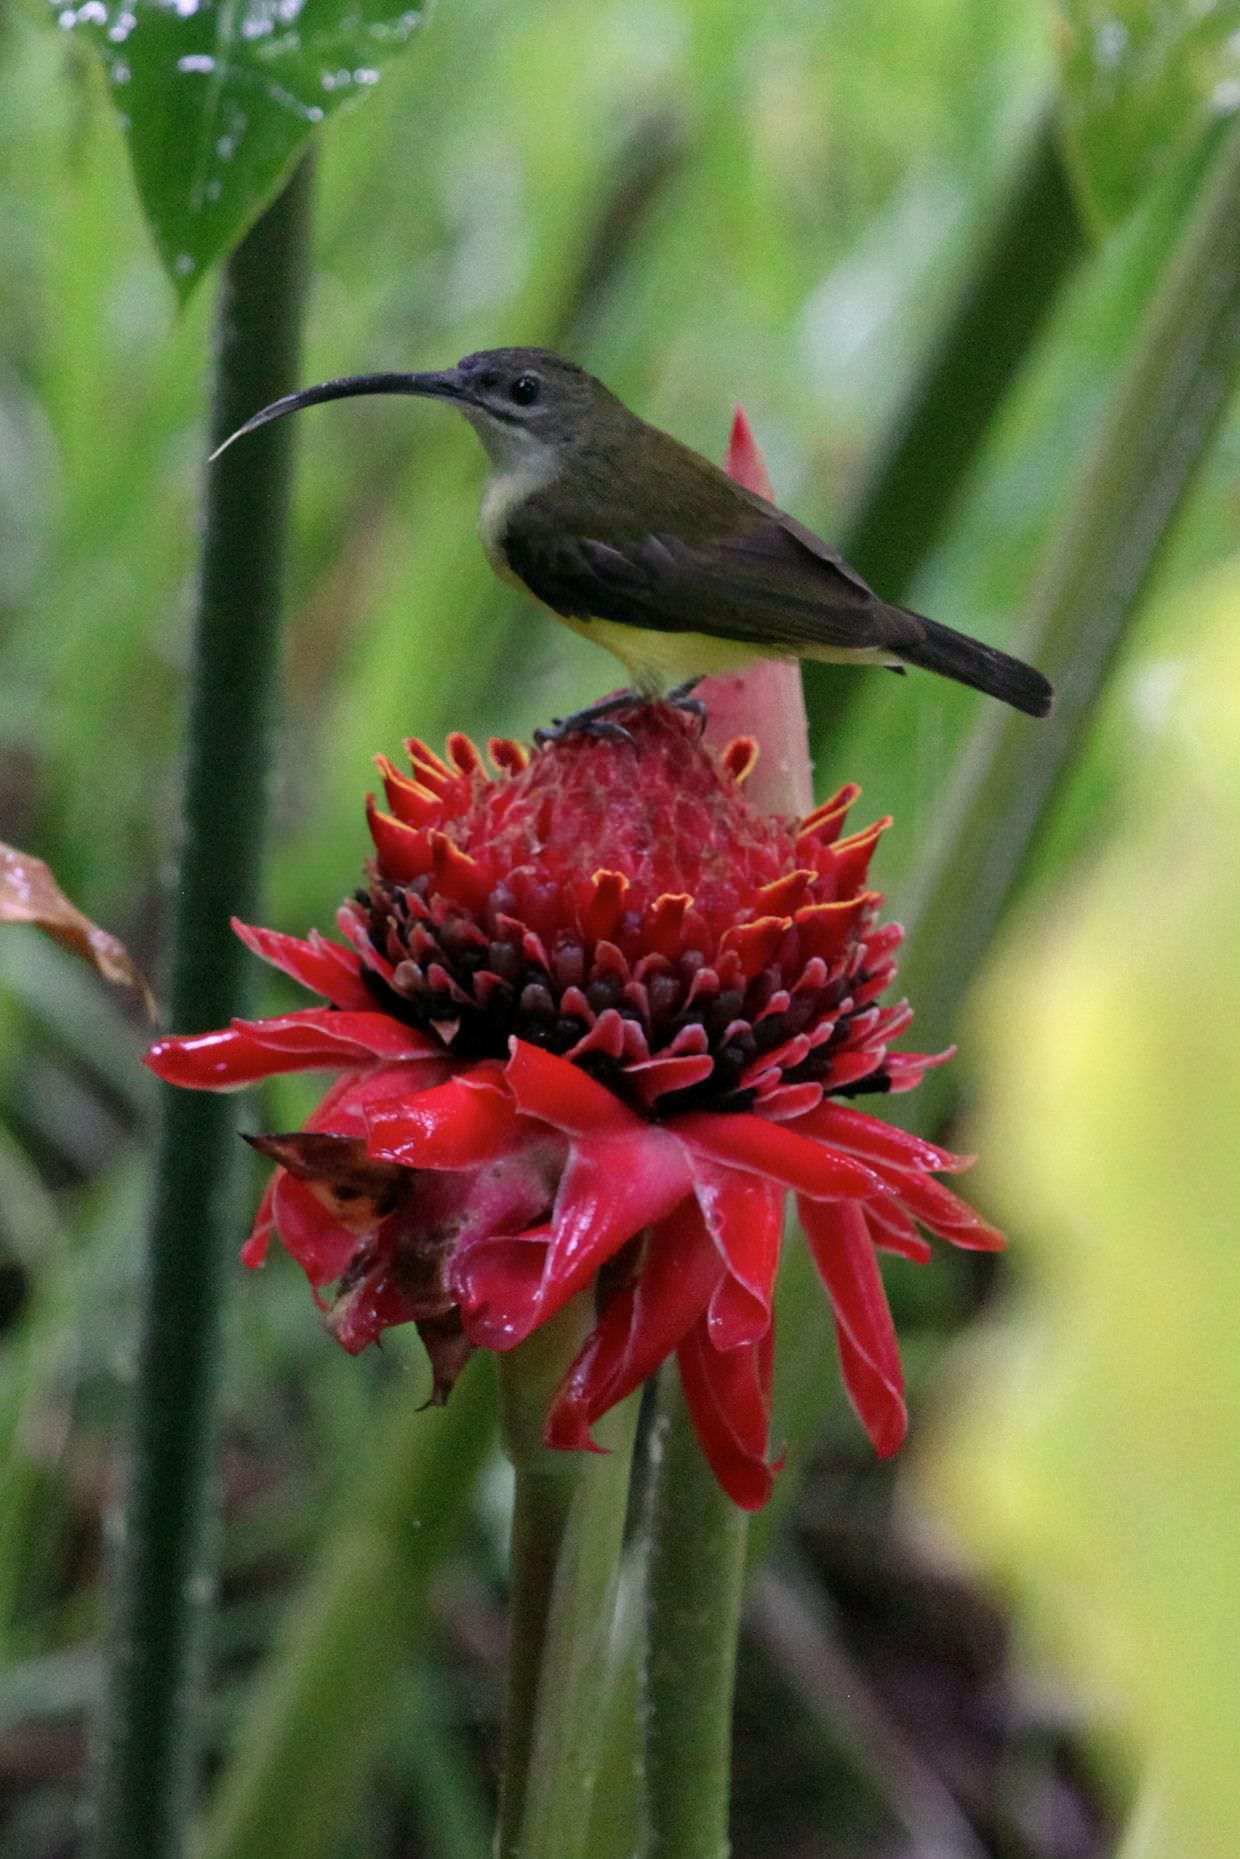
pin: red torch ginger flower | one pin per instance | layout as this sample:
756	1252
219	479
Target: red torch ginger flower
596	1016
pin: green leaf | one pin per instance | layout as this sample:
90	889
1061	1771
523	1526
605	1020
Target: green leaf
1099	1459
1141	83
218	97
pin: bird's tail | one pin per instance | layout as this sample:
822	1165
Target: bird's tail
983	667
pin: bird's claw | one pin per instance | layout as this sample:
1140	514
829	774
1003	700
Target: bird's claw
592	722
598	720
681	698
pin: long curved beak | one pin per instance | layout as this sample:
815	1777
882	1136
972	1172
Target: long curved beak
445	386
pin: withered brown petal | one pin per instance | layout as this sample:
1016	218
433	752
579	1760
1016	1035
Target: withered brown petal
29	893
337	1169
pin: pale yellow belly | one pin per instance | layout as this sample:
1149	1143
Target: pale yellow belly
656	661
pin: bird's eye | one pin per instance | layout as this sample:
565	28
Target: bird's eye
524	389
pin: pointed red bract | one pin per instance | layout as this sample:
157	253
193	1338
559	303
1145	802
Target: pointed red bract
843	1250
729	1396
643	1324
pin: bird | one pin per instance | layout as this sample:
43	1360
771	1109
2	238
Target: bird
641	544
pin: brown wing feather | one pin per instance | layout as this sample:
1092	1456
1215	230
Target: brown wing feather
765	585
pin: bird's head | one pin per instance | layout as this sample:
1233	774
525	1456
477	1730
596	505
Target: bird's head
521	402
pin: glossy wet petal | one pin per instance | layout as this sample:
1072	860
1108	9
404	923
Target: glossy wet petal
610	1191
777	1151
942	1211
317	1039
497	1282
643	1324
460	1124
876	1141
563	1095
310	1230
869	1352
729	1396
745	1217
324	967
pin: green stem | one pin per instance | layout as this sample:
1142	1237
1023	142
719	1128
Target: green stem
1158	429
1024	257
567	1534
162	1579
617	1817
697	1569
297	1772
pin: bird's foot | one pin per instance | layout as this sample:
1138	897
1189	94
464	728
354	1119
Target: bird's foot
681	697
595	720
598	720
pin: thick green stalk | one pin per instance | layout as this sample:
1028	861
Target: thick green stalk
163	1569
1156	433
697	1567
1024	257
567	1533
300	1752
617	1817
697	1535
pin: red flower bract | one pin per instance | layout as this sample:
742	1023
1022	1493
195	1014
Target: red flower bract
595	1017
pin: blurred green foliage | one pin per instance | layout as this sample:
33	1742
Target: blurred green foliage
705	202
1103	1467
1141	84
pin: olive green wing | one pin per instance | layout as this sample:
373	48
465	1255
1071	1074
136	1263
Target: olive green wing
773	585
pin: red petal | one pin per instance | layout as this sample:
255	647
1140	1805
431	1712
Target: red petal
403	852
460	1124
745	1216
605	906
756	943
222	1061
378	1302
849	1067
564	1096
869	1353
907	1069
497	1281
739	1140
582	1396
255	1250
942	1211
877	1141
315	1040
826	822
609	1192
788	1101
458	874
412	804
323	967
319	1039
894	1230
729	1396
850	858
653	1077
509	757
310	1231
346	1108
465	754
641	1326
324	1029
